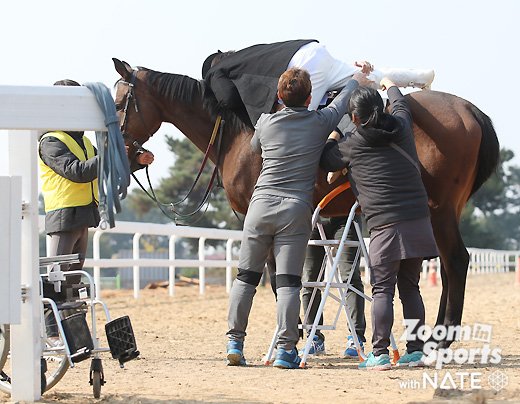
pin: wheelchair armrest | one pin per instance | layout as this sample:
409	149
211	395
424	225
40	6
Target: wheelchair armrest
60	259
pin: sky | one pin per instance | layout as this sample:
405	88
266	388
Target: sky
471	44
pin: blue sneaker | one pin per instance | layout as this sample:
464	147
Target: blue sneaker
287	360
351	351
380	362
412	360
317	347
235	353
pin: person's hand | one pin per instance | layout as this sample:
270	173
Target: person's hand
366	67
362	79
334	135
333	176
386	83
145	158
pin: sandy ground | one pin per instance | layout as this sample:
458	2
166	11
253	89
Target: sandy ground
182	343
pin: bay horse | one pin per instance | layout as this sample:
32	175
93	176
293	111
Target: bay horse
456	143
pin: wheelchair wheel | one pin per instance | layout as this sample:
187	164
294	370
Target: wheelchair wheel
54	364
4	343
5	381
96	384
97	378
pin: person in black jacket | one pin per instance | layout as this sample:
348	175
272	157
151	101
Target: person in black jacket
385	175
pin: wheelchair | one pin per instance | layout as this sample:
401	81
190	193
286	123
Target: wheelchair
65	334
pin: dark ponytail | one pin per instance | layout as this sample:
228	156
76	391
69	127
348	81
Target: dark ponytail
367	105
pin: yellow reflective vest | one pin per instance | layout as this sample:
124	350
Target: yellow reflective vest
59	192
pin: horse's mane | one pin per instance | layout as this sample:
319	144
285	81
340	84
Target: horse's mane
173	87
185	89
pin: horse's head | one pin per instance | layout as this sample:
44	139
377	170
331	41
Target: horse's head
138	113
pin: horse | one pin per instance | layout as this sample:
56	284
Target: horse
456	143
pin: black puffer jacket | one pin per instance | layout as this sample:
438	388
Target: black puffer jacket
388	186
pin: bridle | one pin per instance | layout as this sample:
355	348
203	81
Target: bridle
129	96
171	207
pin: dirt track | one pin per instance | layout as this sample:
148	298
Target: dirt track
182	343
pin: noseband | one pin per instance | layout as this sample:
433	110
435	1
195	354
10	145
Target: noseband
129	96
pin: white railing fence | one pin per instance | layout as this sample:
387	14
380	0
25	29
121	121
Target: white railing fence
174	233
137	230
482	261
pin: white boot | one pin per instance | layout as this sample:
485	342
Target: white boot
418	78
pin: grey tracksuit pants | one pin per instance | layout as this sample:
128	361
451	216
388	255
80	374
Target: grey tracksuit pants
283	224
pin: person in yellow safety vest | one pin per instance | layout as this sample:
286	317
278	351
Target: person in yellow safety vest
68	170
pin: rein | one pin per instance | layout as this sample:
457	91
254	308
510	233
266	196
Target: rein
171	207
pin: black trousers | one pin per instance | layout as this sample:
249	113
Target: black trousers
405	273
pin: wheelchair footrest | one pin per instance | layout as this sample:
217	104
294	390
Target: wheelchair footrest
121	339
78	337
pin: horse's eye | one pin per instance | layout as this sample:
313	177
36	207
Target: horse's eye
118	107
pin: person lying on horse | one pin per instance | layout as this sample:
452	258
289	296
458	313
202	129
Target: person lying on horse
245	81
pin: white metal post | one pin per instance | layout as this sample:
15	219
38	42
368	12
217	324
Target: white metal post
202	268
10	250
96	254
25	337
16	252
136	256
171	268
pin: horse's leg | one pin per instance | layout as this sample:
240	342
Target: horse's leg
455	259
444	296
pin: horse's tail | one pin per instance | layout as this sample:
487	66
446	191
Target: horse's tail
489	151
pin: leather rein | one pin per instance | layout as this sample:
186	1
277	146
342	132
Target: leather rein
172	207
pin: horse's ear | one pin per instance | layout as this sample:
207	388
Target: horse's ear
123	68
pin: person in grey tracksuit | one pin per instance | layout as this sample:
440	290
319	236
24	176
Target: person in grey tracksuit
279	215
